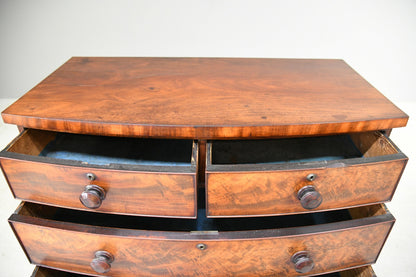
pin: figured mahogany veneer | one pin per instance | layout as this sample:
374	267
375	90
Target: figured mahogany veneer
152	190
204	98
366	271
244	189
203	167
69	241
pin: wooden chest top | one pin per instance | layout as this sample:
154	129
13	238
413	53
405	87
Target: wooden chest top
204	98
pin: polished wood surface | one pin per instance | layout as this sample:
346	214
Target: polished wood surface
128	192
332	246
166	191
252	189
366	271
204	98
31	142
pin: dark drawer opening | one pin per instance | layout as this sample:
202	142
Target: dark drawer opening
294	150
200	224
101	150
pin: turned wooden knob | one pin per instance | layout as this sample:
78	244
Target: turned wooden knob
309	197
102	262
303	263
92	196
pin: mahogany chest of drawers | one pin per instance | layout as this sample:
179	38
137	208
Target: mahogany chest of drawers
203	167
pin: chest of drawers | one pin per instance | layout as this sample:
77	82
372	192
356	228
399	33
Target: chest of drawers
203	167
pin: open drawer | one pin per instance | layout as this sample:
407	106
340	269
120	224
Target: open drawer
300	175
150	177
115	245
365	271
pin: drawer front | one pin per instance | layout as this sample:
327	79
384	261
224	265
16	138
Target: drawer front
365	271
330	247
126	192
166	191
252	190
276	192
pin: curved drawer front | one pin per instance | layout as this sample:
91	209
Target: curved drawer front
125	183
272	177
365	271
327	247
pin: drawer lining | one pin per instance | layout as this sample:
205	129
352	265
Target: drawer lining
288	150
369	155
114	150
31	147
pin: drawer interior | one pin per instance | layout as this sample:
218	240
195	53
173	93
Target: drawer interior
305	149
365	271
101	150
201	223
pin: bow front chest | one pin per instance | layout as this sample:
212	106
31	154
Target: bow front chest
203	167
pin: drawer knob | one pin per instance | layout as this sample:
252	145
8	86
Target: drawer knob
309	197
102	261
92	196
303	262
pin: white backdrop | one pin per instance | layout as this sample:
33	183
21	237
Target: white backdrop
377	38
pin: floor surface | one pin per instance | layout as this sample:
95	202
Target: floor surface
396	258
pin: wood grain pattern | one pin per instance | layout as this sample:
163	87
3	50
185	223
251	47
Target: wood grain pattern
366	271
166	194
373	144
332	246
251	190
368	211
31	142
275	192
204	98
